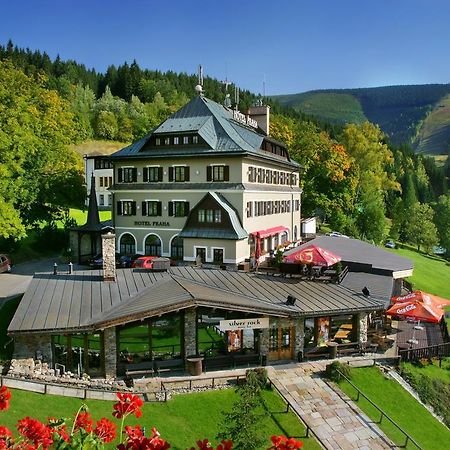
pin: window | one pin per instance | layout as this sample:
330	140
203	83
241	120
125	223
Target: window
218	255
167	141
195	139
209	215
179	173
201	215
217	216
151	208
101	181
127	175
217	173
153	174
152	246
185	140
176	248
201	251
109	199
110	181
102	200
127	244
178	209
176	140
126	208
252	174
102	164
158	141
249	209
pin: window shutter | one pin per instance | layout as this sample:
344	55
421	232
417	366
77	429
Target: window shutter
208	173
133	208
186	174
144	208
170	208
226	173
170	173
186	208
145	174
159	209
119	207
120	175
134	174
160	173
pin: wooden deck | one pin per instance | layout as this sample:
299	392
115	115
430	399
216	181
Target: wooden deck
429	334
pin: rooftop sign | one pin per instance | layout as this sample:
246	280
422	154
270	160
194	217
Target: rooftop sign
242	118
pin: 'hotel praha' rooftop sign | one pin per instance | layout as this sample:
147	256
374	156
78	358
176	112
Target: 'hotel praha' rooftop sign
244	324
242	118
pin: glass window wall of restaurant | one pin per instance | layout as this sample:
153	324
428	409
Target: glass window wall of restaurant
211	341
320	330
79	353
157	338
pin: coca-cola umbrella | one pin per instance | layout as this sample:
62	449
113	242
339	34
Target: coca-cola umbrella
422	297
415	310
313	255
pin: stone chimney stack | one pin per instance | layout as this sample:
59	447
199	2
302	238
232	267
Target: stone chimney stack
261	114
109	256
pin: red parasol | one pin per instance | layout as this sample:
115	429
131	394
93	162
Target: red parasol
316	256
416	310
422	297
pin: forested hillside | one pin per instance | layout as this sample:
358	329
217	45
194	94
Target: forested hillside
352	177
400	111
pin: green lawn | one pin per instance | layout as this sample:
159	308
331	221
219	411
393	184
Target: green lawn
432	370
400	406
182	420
431	274
81	216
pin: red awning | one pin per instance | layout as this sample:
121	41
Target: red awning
269	232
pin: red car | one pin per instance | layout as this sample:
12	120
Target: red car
5	263
151	262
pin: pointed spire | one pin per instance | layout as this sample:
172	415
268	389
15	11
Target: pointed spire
93	217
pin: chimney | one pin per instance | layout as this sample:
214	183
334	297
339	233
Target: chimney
261	114
109	256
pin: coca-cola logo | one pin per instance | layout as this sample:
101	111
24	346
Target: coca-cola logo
406	309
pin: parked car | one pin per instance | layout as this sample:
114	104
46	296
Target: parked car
152	263
5	263
439	250
126	260
337	234
97	261
390	244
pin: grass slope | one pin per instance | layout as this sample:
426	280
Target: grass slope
182	420
93	147
434	135
431	274
432	369
400	406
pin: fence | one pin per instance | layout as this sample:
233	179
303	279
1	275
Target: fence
432	351
408	438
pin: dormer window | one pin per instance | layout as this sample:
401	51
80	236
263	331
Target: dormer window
167	141
195	139
176	140
185	140
158	141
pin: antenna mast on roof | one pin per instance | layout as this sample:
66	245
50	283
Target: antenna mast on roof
227	101
236	98
199	87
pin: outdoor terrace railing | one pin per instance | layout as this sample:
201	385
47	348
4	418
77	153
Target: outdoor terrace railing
408	438
432	351
300	417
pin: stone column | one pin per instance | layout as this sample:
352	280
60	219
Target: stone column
109	256
264	341
33	346
299	342
110	350
361	327
398	284
190	332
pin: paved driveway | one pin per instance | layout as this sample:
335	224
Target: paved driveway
16	282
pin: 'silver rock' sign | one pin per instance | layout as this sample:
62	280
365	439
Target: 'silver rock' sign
244	324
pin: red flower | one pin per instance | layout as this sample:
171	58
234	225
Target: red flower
58	427
35	431
6	438
283	443
5	432
128	404
137	441
203	445
105	430
225	445
84	421
5	395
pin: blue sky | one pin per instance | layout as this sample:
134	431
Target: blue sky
295	45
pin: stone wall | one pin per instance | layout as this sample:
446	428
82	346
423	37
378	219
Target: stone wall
190	332
35	346
299	339
110	348
264	341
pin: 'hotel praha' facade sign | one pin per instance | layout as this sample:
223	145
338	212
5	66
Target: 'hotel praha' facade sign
244	324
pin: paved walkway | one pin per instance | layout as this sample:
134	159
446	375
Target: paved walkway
339	424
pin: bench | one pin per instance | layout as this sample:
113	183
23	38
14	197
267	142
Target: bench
218	362
169	365
317	352
142	368
352	348
247	360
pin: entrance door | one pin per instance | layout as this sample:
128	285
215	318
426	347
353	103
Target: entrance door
201	251
281	343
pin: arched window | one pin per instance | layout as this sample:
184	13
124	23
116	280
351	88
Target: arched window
152	245
176	248
284	237
127	244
